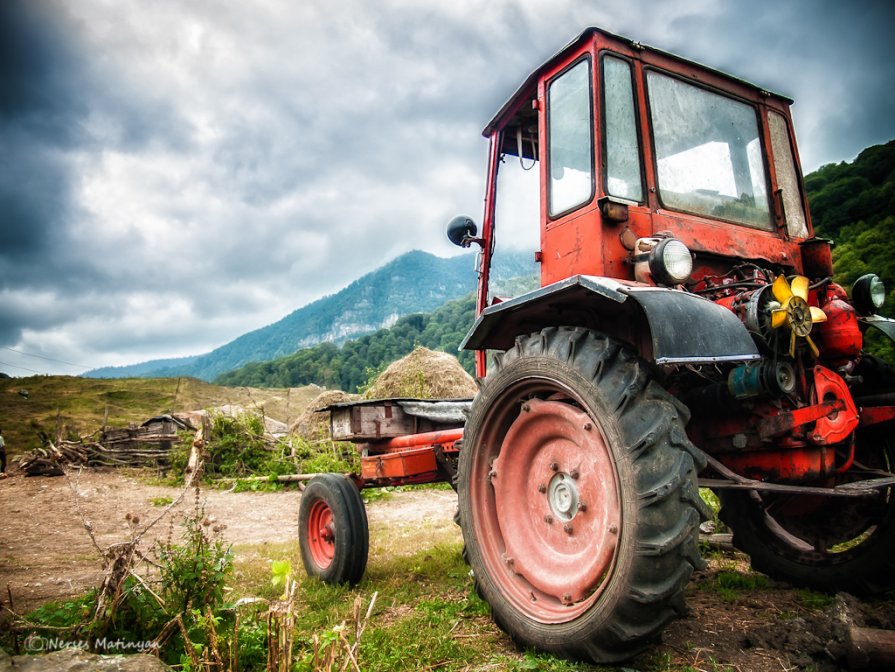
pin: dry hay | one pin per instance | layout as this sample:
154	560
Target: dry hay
313	423
424	374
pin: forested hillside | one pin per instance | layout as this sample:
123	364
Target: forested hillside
854	205
352	365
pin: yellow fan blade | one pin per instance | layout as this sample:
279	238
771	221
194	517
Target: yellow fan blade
781	289
778	318
817	315
813	347
800	287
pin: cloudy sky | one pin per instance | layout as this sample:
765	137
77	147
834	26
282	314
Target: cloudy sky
175	173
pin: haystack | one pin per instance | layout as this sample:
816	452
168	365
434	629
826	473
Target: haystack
424	374
313	423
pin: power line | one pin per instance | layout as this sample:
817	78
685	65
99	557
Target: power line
49	359
24	368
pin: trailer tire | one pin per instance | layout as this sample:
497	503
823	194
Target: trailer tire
828	544
578	497
333	533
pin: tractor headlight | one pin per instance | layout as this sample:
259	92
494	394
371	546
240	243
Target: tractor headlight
670	262
868	294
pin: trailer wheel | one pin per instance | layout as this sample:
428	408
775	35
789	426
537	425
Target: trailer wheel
332	530
825	543
578	497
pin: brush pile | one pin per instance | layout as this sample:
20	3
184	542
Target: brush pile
147	445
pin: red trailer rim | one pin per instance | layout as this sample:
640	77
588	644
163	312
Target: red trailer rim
546	505
321	534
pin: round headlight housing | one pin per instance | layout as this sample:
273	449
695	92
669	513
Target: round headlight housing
868	294
670	262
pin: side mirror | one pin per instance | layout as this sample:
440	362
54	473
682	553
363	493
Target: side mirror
461	231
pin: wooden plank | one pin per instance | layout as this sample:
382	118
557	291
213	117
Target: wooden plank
871	648
374	422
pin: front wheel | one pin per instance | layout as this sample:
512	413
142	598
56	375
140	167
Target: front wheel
825	543
332	530
578	497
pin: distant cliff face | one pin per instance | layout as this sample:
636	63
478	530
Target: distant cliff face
416	282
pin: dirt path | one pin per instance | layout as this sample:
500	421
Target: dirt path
45	554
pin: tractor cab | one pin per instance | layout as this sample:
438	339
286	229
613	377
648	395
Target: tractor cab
631	144
625	162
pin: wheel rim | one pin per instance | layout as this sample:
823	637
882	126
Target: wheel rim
546	503
321	534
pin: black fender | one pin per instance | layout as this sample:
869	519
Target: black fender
666	326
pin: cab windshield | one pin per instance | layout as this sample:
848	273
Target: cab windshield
708	153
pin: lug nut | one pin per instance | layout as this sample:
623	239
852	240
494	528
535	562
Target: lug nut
588	426
542	488
548	519
526	408
582	506
574	473
510	561
613	529
567	598
568	528
554	466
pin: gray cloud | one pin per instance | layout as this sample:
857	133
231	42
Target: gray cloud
176	174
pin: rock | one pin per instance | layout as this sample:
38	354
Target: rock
77	660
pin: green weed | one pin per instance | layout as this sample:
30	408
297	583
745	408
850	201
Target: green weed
814	600
730	584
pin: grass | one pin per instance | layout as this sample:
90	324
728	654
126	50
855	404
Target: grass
731	585
427	615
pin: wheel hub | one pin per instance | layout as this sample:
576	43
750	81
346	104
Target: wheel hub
562	495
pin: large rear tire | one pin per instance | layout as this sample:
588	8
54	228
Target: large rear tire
333	534
578	497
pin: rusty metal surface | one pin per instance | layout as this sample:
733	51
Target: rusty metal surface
554	461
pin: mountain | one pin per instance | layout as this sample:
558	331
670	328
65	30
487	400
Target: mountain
416	282
352	365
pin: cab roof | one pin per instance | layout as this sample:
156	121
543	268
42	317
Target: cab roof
530	83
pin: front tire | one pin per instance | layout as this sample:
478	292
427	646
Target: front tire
829	544
333	534
578	497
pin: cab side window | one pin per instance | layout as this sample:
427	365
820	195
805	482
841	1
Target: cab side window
570	137
622	145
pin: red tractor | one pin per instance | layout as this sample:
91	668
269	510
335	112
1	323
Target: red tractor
686	333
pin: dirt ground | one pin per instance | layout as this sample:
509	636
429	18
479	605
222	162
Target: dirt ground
45	554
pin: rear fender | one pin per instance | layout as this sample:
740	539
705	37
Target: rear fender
665	326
